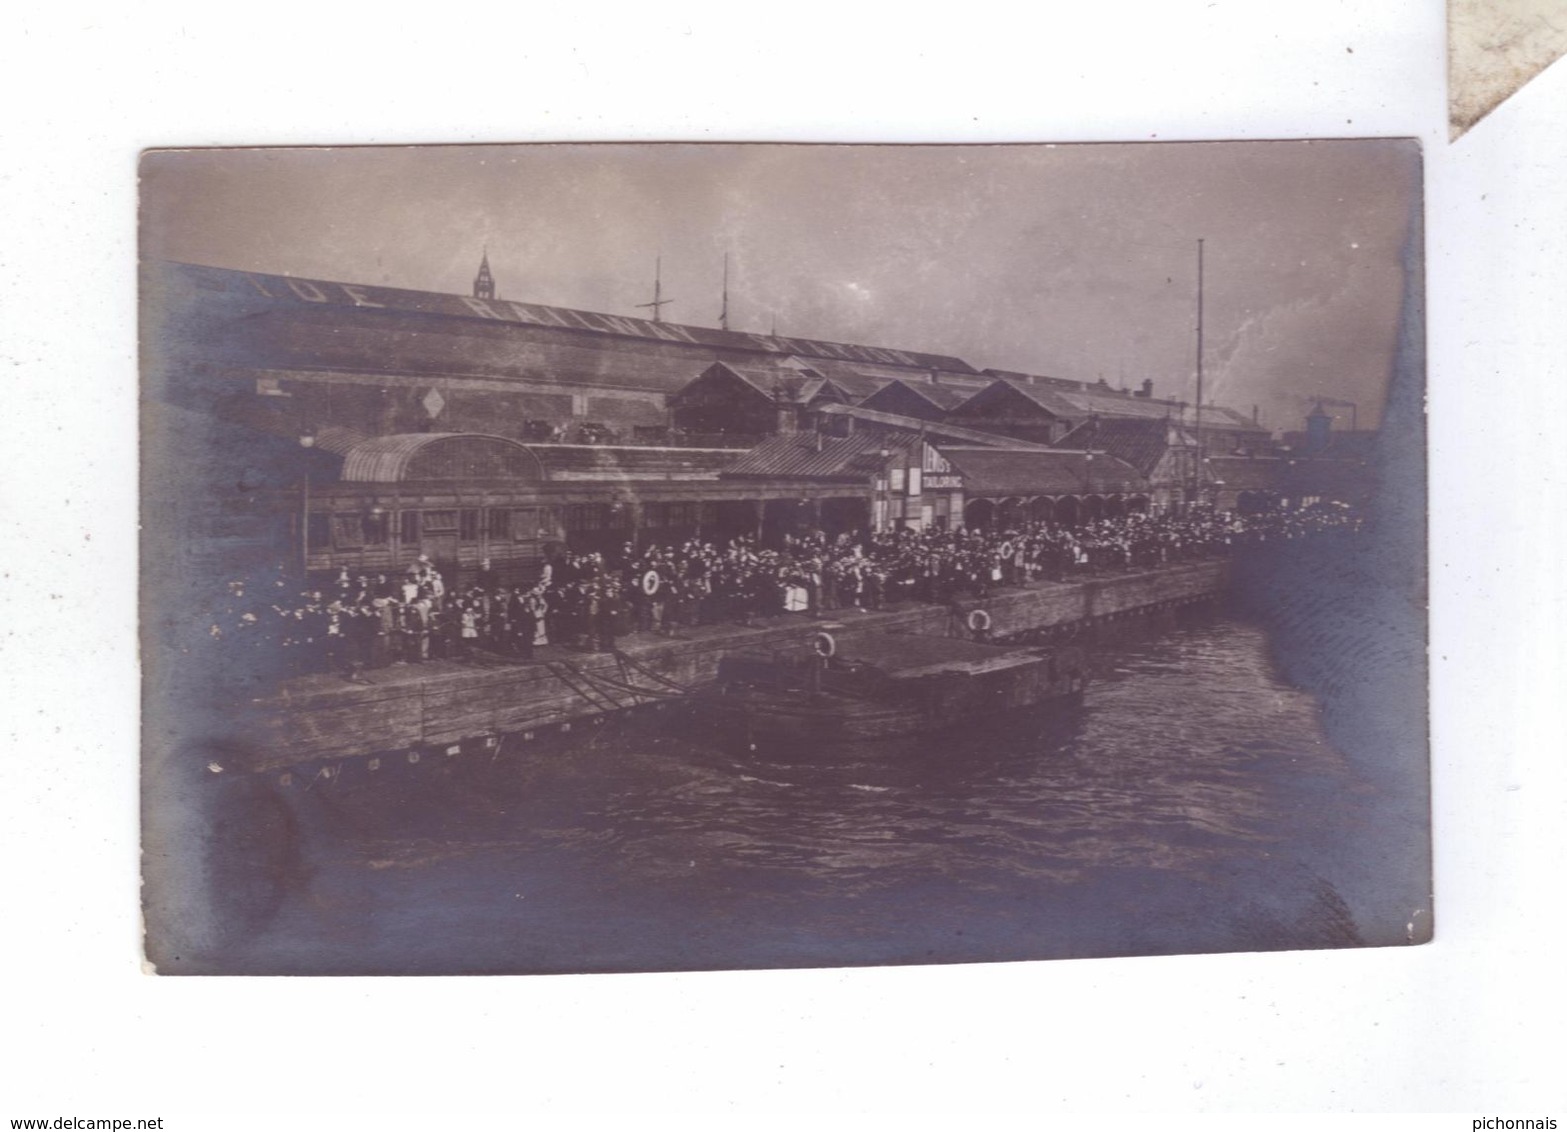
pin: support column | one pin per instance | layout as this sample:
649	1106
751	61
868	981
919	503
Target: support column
634	520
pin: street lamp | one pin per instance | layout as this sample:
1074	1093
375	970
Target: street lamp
306	440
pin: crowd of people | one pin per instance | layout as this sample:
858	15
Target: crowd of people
583	432
589	600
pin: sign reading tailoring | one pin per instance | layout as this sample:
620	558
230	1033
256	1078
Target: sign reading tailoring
939	473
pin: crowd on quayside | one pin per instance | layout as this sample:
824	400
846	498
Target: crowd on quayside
588	601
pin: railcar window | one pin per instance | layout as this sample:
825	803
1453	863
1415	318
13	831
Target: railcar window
500	523
410	528
347	531
440	521
586	516
468	530
375	529
318	532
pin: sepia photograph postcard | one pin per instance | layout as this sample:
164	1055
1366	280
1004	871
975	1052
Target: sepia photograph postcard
665	557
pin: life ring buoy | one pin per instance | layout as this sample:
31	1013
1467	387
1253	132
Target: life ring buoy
824	645
1008	550
978	620
650	582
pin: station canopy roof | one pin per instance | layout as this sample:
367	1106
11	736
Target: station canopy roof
897	422
338	440
618	463
812	455
440	456
998	473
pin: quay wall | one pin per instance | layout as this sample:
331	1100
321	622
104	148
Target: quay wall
458	710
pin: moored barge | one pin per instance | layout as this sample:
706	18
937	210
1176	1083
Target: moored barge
881	686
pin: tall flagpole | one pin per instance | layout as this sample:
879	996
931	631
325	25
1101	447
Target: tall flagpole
723	315
1198	478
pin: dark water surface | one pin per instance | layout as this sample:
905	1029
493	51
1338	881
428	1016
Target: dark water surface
1193	803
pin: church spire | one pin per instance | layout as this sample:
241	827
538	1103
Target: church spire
484	282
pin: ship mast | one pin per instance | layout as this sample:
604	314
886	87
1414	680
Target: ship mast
659	302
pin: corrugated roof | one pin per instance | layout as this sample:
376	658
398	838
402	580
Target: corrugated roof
942	394
799	387
761	376
943	397
337	440
1002	472
1085	397
853	381
1141	443
439	456
1032	378
1108	403
810	455
868	377
901	423
797	384
320	293
400	344
1048	399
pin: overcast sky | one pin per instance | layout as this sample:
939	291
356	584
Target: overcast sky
1076	261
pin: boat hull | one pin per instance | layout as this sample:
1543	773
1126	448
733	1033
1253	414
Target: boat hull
804	724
